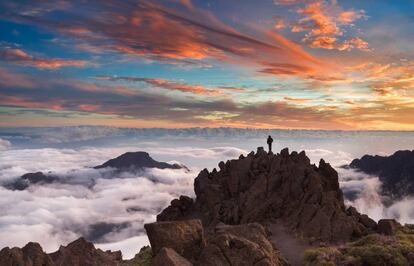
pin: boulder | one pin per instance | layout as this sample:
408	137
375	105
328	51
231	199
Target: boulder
264	187
388	226
185	237
240	245
168	257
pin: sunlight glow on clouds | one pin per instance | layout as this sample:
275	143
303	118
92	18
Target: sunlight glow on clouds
187	63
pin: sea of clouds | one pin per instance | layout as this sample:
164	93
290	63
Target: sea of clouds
110	208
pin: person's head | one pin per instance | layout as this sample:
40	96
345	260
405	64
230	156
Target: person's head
269	136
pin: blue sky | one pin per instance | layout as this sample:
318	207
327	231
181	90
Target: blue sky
314	64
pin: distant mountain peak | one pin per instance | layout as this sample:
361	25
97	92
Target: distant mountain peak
396	172
137	160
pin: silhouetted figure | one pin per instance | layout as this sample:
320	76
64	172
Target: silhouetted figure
269	142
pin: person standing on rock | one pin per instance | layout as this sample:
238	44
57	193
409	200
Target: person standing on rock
269	143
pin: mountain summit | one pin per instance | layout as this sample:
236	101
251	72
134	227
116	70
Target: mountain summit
136	160
280	188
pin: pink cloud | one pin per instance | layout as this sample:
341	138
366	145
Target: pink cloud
18	56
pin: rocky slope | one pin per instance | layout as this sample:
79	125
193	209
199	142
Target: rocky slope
396	172
80	252
180	243
264	187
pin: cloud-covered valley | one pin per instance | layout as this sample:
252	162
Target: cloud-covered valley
110	207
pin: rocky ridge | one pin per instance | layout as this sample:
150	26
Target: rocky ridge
396	172
226	223
79	252
264	187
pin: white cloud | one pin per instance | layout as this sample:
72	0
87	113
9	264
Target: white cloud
4	144
57	213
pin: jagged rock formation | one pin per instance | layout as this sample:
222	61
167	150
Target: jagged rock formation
267	187
184	243
78	253
82	252
396	172
30	255
135	161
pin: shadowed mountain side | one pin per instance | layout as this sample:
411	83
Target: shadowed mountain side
396	172
137	160
266	187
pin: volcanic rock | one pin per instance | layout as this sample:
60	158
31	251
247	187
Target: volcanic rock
168	257
242	245
78	253
265	187
179	208
83	253
388	226
30	255
136	161
185	237
396	172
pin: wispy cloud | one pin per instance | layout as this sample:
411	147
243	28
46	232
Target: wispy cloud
18	56
162	33
169	85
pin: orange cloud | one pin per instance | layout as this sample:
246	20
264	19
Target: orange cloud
323	24
162	33
170	85
279	23
293	99
329	42
19	56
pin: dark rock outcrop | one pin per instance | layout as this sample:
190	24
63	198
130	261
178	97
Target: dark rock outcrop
30	255
182	243
185	237
263	187
396	172
241	245
81	252
78	253
135	161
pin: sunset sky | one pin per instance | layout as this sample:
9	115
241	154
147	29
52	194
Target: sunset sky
311	64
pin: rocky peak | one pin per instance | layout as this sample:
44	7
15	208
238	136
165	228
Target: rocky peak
136	160
266	187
